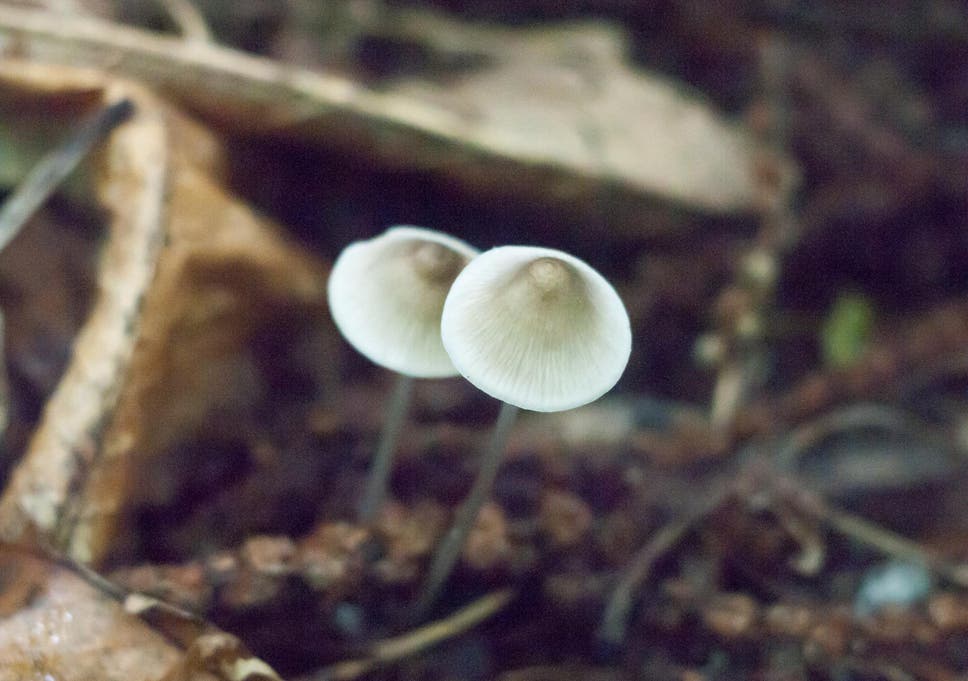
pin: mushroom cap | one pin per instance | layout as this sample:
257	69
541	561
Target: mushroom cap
386	295
536	328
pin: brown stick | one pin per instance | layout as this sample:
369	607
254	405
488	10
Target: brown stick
65	445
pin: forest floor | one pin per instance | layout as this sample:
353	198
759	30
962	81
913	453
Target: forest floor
774	490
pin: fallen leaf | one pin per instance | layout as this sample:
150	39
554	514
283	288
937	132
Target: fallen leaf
58	624
560	111
67	630
188	273
65	442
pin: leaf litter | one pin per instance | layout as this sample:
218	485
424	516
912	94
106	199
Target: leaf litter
205	444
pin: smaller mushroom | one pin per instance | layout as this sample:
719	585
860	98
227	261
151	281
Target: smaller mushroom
386	295
538	329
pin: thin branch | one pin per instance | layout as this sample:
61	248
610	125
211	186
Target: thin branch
189	20
744	305
881	539
48	174
39	497
619	606
394	649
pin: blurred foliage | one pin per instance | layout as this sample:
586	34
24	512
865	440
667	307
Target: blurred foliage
846	332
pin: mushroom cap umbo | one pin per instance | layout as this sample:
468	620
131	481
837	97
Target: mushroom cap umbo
537	328
386	295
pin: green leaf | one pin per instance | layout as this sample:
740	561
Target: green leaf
846	332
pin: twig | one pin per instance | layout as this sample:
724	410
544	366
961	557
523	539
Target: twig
394	649
47	175
207	647
190	21
854	416
744	305
937	461
40	499
614	622
134	602
870	534
879	538
729	393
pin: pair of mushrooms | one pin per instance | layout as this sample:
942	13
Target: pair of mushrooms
533	327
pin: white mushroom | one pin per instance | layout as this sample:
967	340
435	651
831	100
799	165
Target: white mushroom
386	295
538	329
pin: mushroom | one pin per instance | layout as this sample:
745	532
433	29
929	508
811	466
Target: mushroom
538	329
386	295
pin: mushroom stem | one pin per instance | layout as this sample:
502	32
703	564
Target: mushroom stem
450	546
379	476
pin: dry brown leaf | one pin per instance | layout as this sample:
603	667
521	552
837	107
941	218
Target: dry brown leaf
66	441
225	274
558	111
566	96
163	344
65	629
57	624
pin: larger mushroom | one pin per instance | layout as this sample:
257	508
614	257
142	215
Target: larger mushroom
538	329
386	295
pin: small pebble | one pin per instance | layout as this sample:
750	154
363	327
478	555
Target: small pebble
892	584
